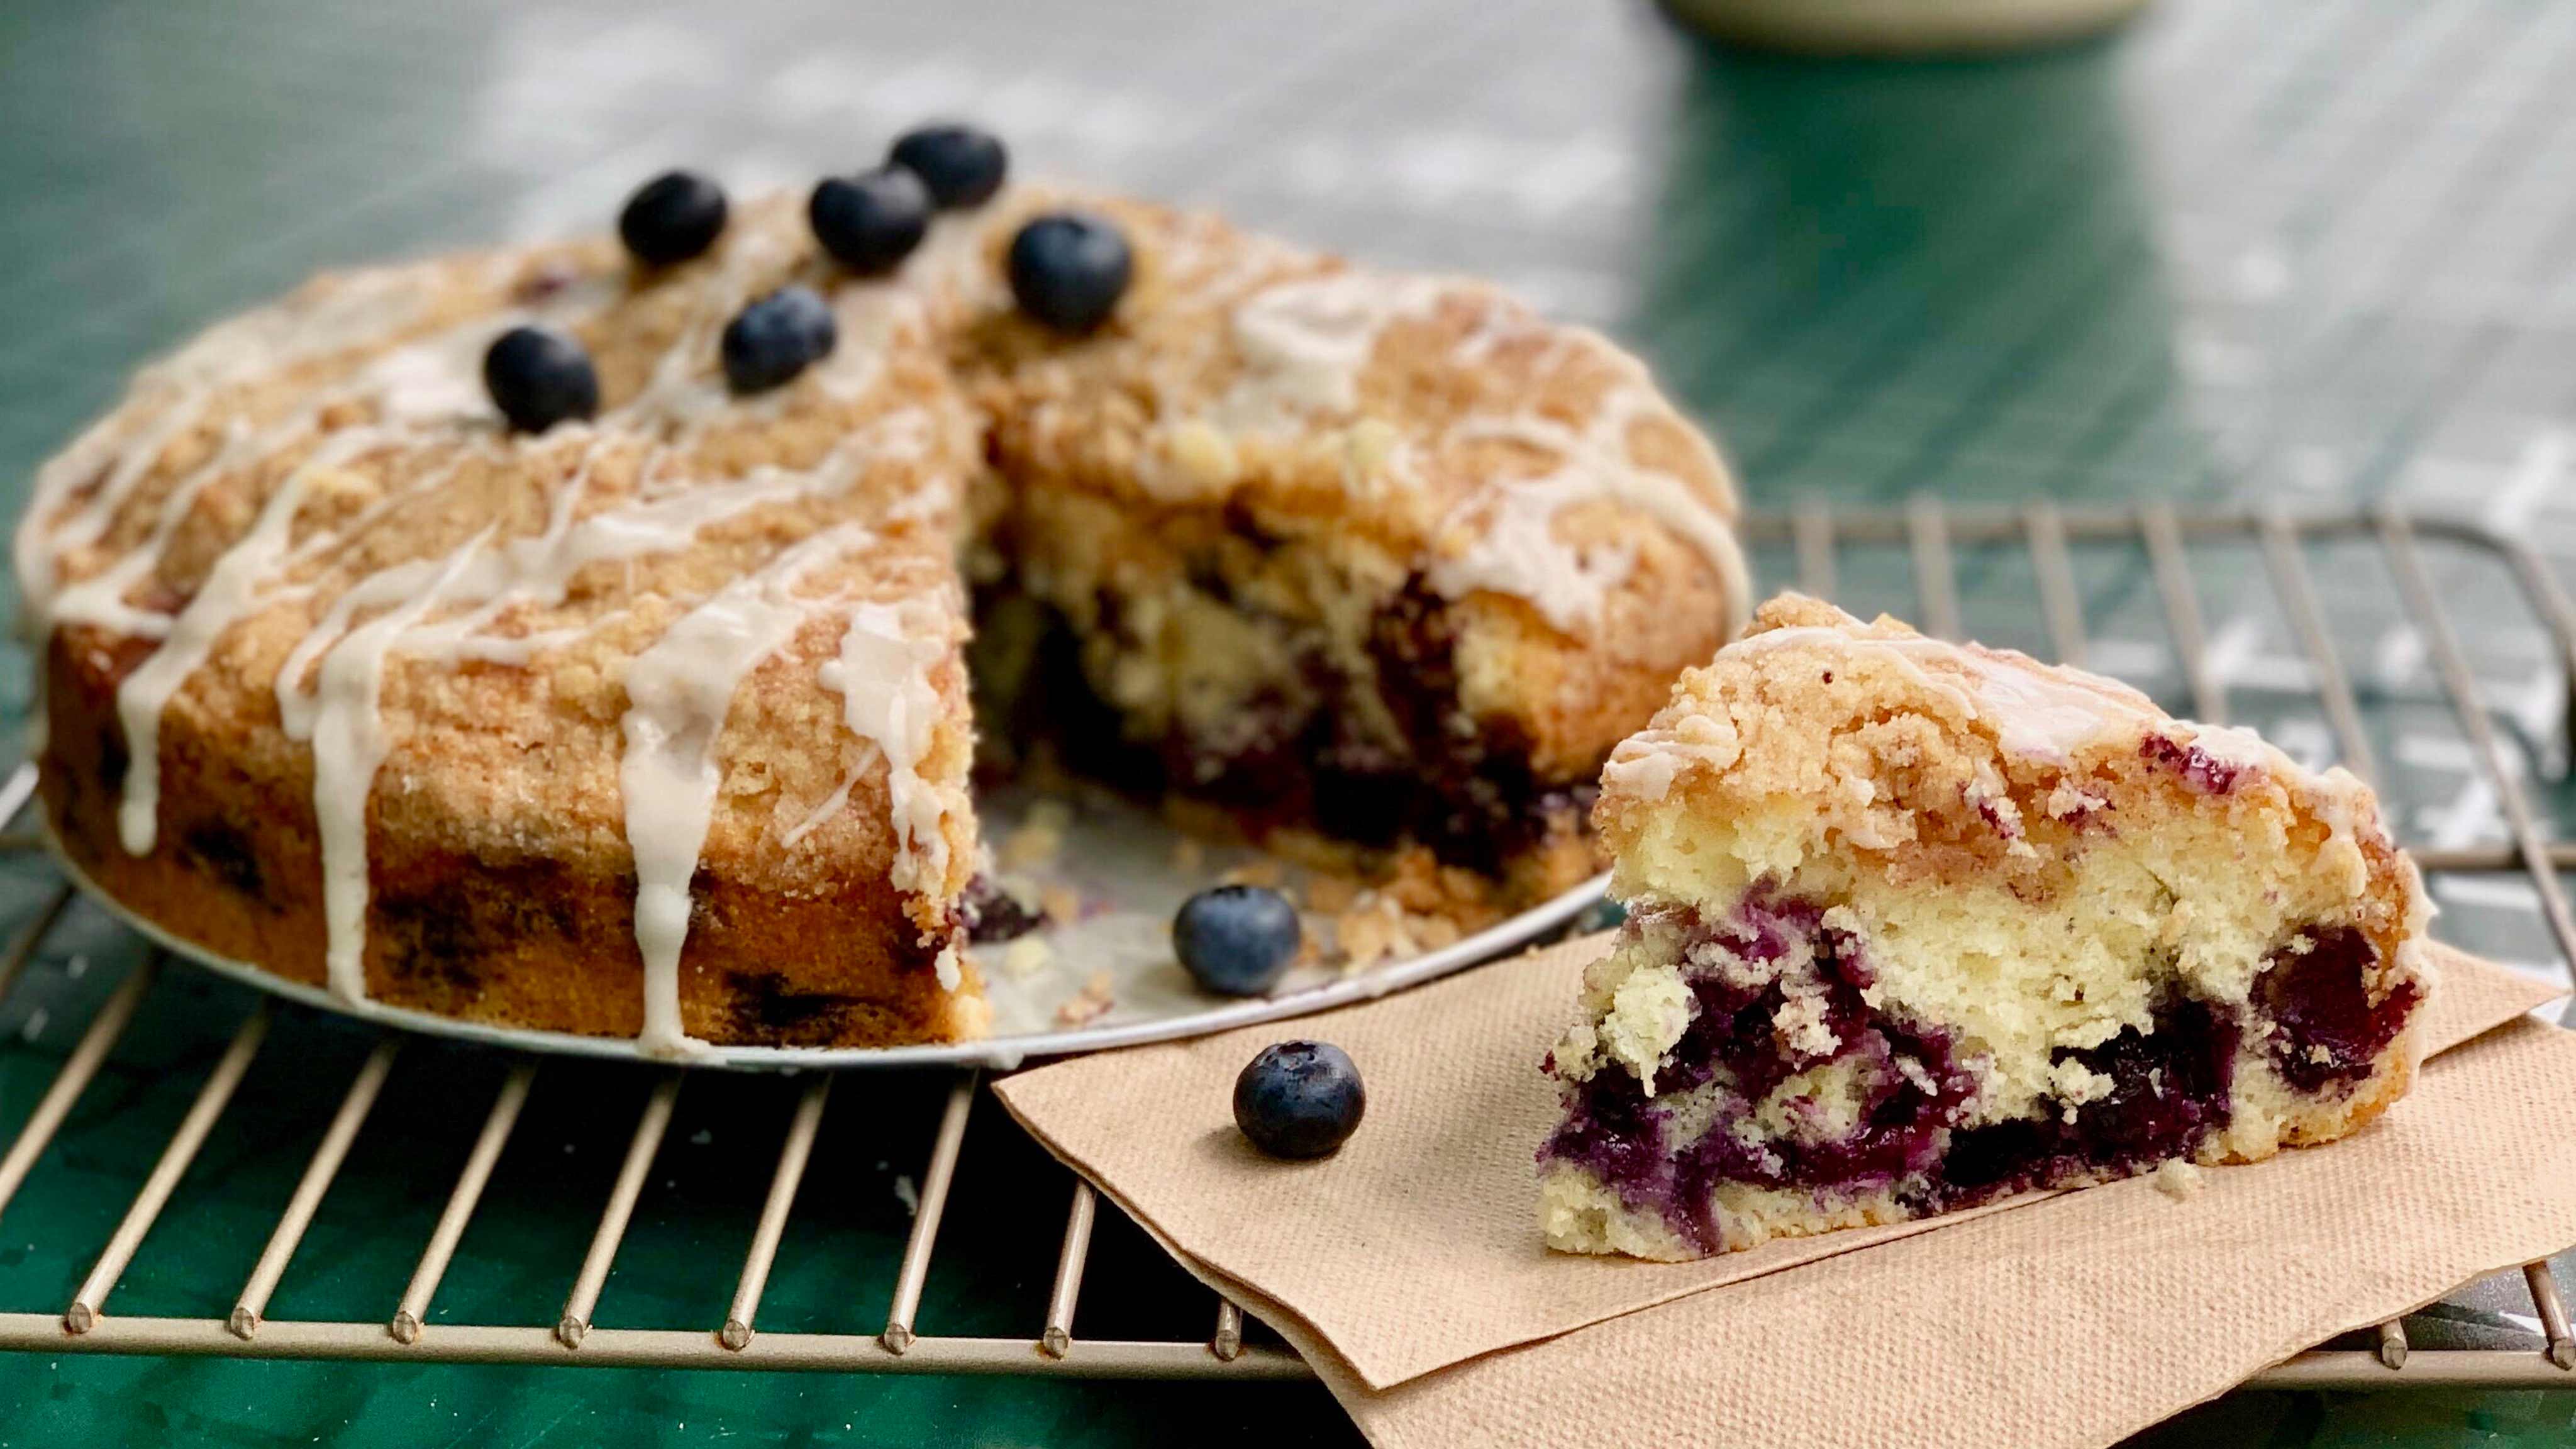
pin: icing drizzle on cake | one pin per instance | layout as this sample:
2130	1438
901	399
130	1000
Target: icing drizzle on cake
882	674
682	688
1306	341
1519	551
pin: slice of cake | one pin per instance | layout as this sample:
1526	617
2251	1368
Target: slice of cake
1914	925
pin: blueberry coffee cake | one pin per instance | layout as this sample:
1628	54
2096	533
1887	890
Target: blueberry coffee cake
1914	925
576	637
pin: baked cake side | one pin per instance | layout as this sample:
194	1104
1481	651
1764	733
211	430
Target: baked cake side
1914	925
658	724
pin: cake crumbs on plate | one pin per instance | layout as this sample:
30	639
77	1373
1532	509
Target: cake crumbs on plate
1330	895
1371	930
1026	957
2179	1180
1061	904
1089	1004
1039	838
1378	928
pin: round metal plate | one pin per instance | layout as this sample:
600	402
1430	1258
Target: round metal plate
1001	1051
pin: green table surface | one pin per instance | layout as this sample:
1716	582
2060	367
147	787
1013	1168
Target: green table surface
2314	250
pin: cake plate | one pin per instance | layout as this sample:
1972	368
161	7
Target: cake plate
1128	870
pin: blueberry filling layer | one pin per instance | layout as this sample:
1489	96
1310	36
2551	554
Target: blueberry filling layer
2169	1091
1297	754
1802	1085
2325	1031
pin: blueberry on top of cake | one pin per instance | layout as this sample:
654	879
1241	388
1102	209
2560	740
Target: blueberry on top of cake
614	680
1913	925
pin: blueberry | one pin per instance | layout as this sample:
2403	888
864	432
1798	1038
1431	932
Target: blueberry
1299	1099
961	165
671	218
992	914
1069	269
871	221
771	340
539	377
1236	940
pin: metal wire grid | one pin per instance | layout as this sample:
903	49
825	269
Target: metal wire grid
1929	532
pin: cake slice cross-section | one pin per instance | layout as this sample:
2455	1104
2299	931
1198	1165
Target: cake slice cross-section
1915	925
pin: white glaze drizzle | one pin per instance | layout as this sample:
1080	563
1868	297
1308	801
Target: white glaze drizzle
1517	550
414	390
411	390
422	387
2035	710
1645	764
349	745
493	581
680	691
356	310
1305	342
882	674
143	695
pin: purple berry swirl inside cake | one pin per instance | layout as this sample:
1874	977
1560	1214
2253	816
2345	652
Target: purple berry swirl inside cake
1915	925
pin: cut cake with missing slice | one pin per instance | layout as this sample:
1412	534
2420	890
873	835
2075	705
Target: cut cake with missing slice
1914	925
660	724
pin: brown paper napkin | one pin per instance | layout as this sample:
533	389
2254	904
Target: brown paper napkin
2068	1325
1416	1247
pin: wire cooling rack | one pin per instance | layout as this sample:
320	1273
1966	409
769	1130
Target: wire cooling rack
2316	580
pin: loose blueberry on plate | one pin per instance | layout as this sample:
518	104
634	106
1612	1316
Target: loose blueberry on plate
671	218
771	340
871	221
539	377
1299	1099
1236	940
962	166
1069	269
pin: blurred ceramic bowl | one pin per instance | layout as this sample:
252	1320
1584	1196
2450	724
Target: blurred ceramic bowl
1901	27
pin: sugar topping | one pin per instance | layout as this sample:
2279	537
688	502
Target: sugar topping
2036	711
1307	341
